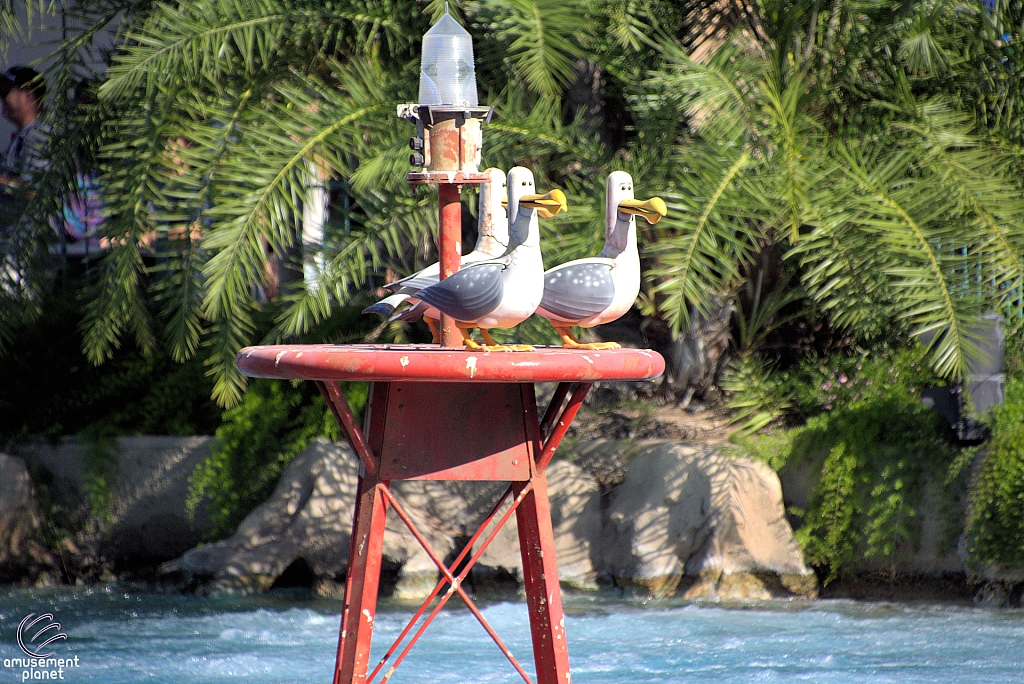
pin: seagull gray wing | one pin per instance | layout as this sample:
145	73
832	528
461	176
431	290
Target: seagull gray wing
411	314
468	294
414	283
578	290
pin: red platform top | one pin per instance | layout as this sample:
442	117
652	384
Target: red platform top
428	363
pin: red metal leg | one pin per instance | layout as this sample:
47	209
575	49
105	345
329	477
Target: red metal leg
449	239
540	575
338	404
561	426
554	407
455	586
466	550
364	560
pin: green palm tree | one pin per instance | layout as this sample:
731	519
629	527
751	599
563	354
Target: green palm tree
875	142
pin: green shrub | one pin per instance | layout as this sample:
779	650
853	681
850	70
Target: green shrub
995	514
50	388
255	443
99	470
819	385
761	395
873	457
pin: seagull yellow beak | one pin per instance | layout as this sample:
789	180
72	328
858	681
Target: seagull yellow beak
547	205
653	209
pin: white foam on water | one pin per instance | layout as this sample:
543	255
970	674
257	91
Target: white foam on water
124	638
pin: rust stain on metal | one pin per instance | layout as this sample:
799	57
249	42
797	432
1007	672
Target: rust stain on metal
444	147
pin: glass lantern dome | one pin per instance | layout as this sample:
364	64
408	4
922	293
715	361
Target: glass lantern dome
447	71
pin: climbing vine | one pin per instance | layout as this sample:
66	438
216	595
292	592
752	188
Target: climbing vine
873	459
995	514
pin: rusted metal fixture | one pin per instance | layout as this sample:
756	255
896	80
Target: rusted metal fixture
447	144
419	397
448	138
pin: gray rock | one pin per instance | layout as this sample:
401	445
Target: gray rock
18	514
147	518
694	522
309	517
684	521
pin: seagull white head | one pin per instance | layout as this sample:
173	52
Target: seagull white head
621	210
520	184
524	204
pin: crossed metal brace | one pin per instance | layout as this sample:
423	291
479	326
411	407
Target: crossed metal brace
455	583
552	427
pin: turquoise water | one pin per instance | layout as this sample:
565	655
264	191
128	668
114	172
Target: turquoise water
122	636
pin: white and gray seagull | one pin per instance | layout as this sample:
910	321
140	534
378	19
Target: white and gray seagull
491	242
501	292
595	290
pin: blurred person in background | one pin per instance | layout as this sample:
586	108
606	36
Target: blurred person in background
22	90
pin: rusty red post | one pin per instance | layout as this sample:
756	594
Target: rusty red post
449	244
540	577
364	561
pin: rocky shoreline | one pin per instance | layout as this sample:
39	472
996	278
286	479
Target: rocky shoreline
652	519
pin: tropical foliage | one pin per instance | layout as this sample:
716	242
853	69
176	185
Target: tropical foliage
876	144
995	519
258	439
870	448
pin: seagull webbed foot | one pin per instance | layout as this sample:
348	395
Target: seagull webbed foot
569	341
491	346
435	331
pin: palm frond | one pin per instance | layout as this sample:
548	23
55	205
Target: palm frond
757	397
908	219
921	47
706	234
976	176
211	40
18	18
542	39
715	98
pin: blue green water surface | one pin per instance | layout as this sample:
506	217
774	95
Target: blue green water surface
124	636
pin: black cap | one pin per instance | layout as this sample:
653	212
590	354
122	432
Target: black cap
22	77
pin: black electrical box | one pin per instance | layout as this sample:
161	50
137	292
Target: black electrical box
962	403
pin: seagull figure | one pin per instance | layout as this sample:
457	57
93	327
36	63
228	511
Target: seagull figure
588	292
491	242
501	292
